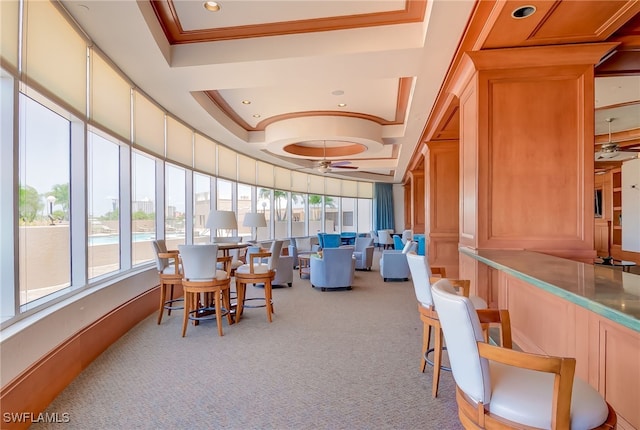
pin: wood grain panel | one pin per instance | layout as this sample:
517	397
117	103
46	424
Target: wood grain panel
443	187
443	252
620	369
418	192
468	168
526	304
536	159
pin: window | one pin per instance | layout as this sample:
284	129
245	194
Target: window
174	211
315	213
103	223
298	214
44	201
347	206
265	196
365	214
244	207
143	207
281	209
201	206
331	215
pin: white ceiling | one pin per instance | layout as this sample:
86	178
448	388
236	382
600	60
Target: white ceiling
289	73
304	74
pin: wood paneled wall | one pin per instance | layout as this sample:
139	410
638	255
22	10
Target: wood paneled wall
526	142
442	204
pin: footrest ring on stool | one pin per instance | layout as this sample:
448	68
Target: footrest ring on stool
430	362
255	306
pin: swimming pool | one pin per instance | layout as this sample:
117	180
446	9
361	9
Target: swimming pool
110	239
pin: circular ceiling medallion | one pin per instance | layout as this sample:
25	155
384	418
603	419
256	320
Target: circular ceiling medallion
322	149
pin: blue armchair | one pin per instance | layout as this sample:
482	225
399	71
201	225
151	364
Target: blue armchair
394	265
397	242
331	240
334	270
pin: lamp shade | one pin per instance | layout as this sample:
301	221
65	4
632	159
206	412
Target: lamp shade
218	220
253	219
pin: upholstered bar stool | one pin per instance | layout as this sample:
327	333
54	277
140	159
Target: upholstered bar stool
499	388
170	274
422	277
256	272
206	289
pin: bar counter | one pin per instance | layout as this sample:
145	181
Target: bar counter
606	291
566	308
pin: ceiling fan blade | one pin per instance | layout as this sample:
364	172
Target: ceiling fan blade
333	166
340	163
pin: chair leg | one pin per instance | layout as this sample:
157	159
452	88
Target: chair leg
426	340
226	302
218	306
267	297
437	360
185	316
171	299
163	296
240	291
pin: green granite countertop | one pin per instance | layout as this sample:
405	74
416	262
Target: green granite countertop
608	292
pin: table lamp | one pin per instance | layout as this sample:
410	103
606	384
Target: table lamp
221	220
254	220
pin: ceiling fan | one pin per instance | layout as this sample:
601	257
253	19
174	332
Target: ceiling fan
325	166
611	150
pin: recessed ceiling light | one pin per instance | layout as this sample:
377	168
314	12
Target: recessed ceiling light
342	104
523	12
246	102
256	115
211	6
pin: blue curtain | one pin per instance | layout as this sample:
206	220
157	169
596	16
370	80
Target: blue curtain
383	206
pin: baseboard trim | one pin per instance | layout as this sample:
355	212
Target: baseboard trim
30	393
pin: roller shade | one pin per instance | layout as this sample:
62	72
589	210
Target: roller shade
299	181
283	179
349	188
246	170
365	190
179	142
332	186
316	184
265	175
148	124
227	163
205	154
9	18
54	54
110	97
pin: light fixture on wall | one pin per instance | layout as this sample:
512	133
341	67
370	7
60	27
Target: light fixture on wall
221	220
254	220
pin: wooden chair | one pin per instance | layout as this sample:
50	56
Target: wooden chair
257	272
170	273
499	388
206	288
422	277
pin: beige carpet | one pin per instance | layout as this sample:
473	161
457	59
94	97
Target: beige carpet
329	360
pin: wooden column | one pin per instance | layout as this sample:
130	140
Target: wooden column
442	204
526	151
417	199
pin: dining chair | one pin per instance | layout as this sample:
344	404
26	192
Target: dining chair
422	277
500	388
206	288
384	239
170	274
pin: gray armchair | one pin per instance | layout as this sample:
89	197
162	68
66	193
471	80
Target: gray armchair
363	253
302	246
394	265
334	270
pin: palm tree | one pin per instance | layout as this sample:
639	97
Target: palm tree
29	203
61	193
